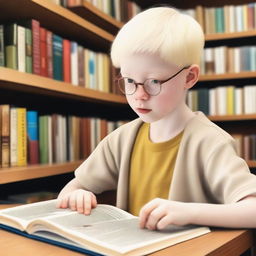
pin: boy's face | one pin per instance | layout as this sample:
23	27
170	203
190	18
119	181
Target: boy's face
172	95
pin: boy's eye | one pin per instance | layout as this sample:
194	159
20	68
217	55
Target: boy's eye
154	81
130	81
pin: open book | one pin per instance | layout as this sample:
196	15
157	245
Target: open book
107	230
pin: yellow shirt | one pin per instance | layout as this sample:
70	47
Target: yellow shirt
151	169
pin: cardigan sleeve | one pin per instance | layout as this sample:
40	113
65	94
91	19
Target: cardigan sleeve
98	172
229	178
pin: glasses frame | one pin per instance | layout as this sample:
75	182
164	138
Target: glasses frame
143	84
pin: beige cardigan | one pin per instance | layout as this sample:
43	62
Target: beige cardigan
207	167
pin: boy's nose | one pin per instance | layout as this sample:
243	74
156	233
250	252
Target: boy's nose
140	93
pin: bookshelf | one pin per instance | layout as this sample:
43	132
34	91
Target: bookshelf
29	90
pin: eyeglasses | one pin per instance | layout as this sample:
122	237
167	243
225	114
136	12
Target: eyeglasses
152	86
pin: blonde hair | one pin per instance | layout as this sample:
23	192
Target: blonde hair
177	38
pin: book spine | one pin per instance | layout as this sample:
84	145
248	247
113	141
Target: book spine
66	61
32	129
36	46
21	49
29	61
10	39
43	52
13	136
5	143
2	54
43	139
49	51
57	58
22	137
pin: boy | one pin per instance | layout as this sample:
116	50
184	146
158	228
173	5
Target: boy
171	165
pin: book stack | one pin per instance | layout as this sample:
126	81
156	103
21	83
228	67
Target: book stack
30	138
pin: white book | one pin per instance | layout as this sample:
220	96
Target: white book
239	18
212	102
232	17
248	99
221	94
21	49
237	60
117	6
74	63
13	136
239	101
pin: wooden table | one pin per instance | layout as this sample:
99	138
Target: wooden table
220	242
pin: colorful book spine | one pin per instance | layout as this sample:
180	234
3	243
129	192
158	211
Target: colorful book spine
5	136
22	137
13	136
57	57
29	60
33	142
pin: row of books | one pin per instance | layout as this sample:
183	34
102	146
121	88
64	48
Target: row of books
246	146
225	19
27	47
30	138
223	59
121	10
223	100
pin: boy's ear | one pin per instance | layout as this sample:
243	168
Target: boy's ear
192	76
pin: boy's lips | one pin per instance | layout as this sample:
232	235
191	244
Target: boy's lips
143	110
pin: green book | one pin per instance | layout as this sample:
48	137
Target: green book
43	139
29	61
57	57
2	62
10	42
219	20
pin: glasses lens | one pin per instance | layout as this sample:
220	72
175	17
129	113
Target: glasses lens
126	85
152	86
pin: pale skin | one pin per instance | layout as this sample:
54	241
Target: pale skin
167	115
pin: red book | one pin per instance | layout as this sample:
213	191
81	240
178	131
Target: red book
49	53
33	154
66	61
43	51
36	46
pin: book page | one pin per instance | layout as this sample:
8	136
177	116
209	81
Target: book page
47	209
25	213
120	235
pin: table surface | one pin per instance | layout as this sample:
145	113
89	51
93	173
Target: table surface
218	242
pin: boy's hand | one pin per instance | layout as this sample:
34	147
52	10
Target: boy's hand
159	213
78	200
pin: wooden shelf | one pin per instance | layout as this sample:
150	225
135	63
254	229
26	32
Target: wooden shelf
59	20
245	117
251	164
14	174
96	16
228	76
15	80
226	36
